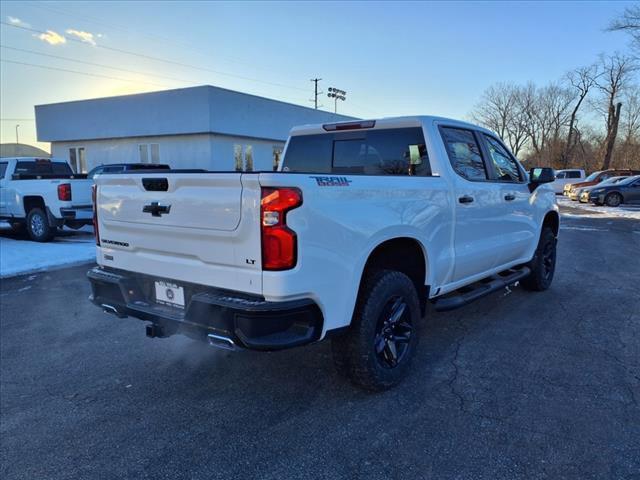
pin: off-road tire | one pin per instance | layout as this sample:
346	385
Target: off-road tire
38	226
543	264
355	354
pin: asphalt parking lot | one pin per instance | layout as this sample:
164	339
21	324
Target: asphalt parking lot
517	385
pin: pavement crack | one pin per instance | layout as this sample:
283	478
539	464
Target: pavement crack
456	369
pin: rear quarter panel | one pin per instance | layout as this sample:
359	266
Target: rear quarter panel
339	226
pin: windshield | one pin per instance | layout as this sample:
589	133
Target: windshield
612	180
592	177
628	180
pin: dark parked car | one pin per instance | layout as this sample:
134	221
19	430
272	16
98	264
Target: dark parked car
626	191
126	167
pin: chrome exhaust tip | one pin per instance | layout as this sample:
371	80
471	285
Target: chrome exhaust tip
225	343
111	310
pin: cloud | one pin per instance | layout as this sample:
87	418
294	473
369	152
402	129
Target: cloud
52	38
17	22
86	37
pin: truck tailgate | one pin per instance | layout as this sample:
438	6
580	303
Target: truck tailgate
196	227
80	191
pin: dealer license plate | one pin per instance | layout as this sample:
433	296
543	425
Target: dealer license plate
170	294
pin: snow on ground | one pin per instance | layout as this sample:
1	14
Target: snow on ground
623	211
19	255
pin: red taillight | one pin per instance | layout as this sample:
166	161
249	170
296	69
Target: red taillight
64	192
94	200
279	242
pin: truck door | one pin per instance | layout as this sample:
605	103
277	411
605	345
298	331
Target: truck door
517	227
479	210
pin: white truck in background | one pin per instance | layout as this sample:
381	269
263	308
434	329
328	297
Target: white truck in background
41	195
364	223
566	176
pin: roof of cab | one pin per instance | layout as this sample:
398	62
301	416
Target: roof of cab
390	122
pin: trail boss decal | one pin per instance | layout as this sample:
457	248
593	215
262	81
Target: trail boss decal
332	181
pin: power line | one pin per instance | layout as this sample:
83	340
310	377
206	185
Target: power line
158	59
46	67
94	64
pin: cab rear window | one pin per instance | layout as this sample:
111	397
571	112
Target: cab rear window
43	167
398	151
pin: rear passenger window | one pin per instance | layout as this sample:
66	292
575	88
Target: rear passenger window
504	166
400	151
309	153
464	153
573	174
3	169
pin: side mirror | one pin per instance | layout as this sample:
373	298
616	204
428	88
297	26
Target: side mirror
538	176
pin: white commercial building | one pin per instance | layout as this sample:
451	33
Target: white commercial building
200	127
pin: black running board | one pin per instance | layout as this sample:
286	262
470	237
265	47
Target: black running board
465	295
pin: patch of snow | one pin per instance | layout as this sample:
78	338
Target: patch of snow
594	211
583	229
19	256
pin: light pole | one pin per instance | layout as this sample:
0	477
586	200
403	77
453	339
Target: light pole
336	94
17	134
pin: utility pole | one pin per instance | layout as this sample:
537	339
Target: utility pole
336	94
315	98
17	134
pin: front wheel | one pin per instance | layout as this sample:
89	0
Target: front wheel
543	264
377	350
38	226
613	200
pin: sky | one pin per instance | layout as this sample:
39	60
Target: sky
392	58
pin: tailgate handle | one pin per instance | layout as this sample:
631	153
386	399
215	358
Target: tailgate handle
155	184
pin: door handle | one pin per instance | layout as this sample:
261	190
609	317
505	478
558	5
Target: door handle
509	196
465	199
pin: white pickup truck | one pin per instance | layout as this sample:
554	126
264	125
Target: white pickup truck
42	195
364	223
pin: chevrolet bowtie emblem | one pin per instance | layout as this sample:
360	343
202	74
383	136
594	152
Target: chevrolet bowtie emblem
155	209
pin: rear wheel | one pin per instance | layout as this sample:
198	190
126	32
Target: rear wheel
613	199
377	351
543	264
38	226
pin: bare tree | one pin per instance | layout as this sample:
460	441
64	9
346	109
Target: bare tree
629	22
581	81
498	110
546	113
628	153
616	72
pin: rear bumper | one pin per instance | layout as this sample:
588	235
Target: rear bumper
74	217
212	315
82	213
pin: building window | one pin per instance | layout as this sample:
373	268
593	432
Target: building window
277	155
243	163
78	160
237	157
248	158
149	152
